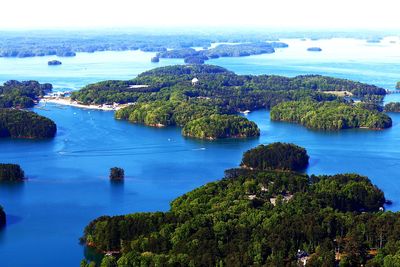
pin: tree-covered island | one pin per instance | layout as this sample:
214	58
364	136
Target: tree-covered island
193	56
54	62
257	218
329	115
22	94
11	173
16	123
221	126
276	156
155	59
177	95
117	174
314	49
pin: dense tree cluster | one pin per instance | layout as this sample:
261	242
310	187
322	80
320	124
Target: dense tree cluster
221	126
370	106
193	56
117	174
167	96
166	113
22	94
329	115
25	124
2	217
392	107
155	59
254	218
27	52
54	63
195	59
276	156
11	173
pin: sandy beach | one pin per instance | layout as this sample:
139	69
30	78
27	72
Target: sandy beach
68	102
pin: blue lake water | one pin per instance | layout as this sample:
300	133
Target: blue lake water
68	177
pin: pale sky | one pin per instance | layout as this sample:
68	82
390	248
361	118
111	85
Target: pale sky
321	14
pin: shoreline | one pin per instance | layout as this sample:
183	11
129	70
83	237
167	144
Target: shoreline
69	102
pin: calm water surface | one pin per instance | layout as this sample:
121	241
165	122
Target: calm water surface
68	184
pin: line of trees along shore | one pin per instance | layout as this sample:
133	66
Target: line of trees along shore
258	218
18	123
15	94
26	44
329	115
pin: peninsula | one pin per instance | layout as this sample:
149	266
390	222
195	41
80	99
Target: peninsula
182	94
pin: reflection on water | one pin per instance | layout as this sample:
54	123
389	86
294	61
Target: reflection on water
13	190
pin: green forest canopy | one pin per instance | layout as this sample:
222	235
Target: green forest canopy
170	96
329	115
237	92
221	126
253	217
16	123
276	156
193	56
11	172
22	94
2	217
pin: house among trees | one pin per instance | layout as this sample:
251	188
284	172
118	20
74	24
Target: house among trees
285	198
195	81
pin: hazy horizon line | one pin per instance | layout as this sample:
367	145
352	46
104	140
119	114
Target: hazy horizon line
196	29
